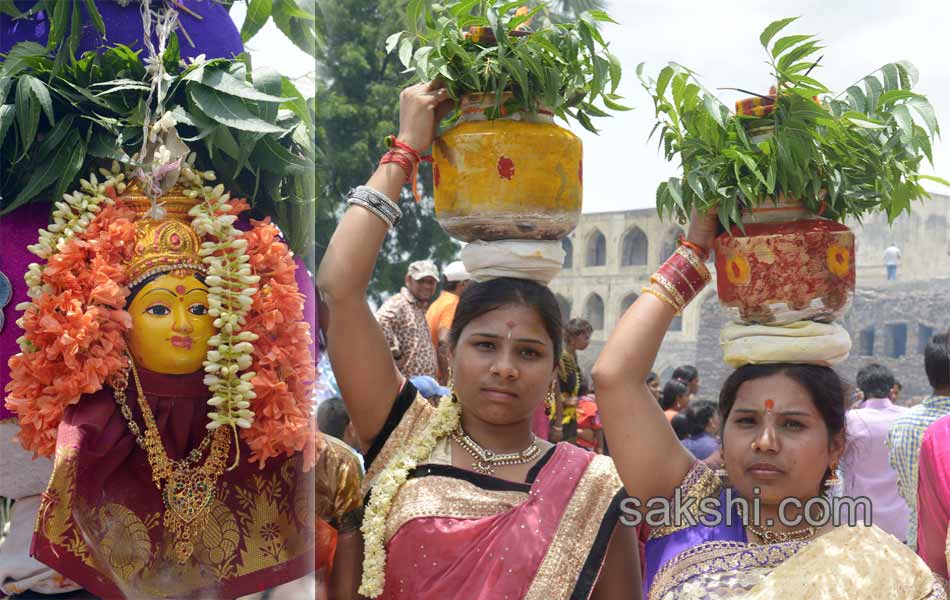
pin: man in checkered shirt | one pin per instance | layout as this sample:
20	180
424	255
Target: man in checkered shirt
903	439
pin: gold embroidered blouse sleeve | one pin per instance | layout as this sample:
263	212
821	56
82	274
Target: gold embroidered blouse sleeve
338	482
413	420
700	482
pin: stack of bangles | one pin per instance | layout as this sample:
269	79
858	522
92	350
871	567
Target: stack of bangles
375	202
681	277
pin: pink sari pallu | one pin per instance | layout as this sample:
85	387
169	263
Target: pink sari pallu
456	534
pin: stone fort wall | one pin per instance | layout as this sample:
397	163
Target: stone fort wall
613	254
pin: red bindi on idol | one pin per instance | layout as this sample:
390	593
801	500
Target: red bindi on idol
181	289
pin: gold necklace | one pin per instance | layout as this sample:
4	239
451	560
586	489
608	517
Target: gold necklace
778	537
486	460
189	490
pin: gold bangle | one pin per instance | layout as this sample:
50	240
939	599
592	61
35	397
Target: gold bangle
669	288
690	255
661	296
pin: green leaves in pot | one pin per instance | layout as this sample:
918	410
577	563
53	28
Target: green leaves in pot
845	155
486	46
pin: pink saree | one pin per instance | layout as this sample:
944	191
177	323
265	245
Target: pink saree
452	533
933	497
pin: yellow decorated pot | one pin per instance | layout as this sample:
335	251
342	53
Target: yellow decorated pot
515	177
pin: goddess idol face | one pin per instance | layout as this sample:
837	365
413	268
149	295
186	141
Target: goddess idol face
170	324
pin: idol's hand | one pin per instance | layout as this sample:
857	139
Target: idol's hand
703	228
421	107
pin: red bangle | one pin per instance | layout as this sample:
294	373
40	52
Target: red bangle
703	253
406	157
682	268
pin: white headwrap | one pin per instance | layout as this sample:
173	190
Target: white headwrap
804	342
537	260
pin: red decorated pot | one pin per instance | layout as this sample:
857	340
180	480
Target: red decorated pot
780	272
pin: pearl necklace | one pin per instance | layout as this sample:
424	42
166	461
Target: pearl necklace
486	460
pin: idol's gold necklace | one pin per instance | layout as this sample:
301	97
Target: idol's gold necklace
190	489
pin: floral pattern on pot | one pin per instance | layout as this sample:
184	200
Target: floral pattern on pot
783	272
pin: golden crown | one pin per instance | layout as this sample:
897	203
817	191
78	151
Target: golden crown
164	239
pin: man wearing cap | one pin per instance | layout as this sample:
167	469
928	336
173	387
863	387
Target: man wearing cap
442	311
403	319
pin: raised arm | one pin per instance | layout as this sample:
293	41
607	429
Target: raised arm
361	358
649	458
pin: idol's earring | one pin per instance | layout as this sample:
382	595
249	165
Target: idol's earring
833	480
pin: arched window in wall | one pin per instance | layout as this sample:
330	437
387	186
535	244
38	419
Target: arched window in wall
596	249
568	253
635	246
594	311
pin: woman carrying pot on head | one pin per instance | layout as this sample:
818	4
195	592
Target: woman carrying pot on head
570	377
782	434
464	501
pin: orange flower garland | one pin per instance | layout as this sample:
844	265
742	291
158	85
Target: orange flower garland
77	327
282	360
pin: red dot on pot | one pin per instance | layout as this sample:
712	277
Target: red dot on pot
506	167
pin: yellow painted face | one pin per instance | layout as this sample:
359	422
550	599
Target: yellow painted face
171	324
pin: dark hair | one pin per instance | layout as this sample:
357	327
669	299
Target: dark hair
685	373
332	417
486	296
825	387
698	415
673	389
937	361
680	424
583	389
876	381
138	287
652	377
577	326
451	286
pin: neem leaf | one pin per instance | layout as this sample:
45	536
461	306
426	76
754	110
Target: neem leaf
229	110
258	11
773	28
224	82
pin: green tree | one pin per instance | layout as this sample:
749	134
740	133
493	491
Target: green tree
358	105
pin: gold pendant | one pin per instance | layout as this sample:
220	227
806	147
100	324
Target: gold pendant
188	497
485	467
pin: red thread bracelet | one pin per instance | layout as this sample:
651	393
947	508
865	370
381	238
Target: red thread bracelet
406	157
703	254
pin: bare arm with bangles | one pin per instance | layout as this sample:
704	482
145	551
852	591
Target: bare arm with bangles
362	362
637	431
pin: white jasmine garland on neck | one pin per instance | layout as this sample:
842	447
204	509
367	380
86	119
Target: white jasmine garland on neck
387	484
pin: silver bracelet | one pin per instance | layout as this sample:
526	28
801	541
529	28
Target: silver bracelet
377	200
367	206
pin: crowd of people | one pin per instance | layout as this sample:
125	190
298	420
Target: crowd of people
496	466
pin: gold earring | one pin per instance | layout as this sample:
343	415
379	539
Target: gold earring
833	480
753	446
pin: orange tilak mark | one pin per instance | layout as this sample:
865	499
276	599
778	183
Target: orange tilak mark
769	405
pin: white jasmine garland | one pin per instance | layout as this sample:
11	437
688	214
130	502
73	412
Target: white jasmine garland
387	484
231	287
